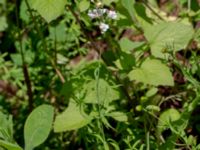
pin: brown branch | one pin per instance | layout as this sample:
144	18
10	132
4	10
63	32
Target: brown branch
24	67
28	85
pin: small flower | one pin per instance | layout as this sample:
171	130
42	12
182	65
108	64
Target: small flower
96	13
112	14
103	27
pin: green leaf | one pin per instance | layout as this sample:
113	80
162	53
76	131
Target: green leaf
119	116
48	9
106	92
24	15
6	133
9	146
2	2
128	45
151	92
140	14
128	5
6	127
108	2
71	119
84	5
152	72
58	33
168	36
166	118
38	126
153	108
3	23
125	62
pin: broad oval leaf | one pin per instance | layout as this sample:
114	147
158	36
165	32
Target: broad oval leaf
48	9
152	72
72	118
168	36
38	126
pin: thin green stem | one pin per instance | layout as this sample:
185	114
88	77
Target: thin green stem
100	126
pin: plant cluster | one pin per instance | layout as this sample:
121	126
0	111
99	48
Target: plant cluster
99	74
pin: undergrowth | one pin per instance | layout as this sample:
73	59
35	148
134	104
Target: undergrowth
99	74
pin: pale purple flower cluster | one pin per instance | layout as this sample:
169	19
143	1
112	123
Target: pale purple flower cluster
96	13
103	27
112	14
99	12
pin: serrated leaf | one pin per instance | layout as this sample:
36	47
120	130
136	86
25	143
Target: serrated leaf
71	119
168	36
152	72
106	92
38	126
48	9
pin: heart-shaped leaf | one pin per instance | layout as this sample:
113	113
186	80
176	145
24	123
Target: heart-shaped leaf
72	118
152	72
48	9
168	36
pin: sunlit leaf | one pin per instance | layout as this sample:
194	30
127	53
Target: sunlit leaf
102	93
168	36
37	126
167	117
72	118
49	9
119	116
152	72
84	5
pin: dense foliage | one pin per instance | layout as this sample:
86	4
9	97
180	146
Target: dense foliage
99	74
